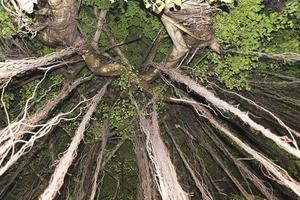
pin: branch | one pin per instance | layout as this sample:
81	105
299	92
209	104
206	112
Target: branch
290	130
275	172
205	193
101	20
146	186
245	172
65	162
167	180
221	164
104	137
12	135
294	57
221	104
278	173
11	68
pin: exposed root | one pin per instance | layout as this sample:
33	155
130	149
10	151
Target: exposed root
104	137
291	131
146	189
245	172
199	138
276	172
204	191
12	144
65	162
167	181
11	68
221	104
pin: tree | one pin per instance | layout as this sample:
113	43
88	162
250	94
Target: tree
209	111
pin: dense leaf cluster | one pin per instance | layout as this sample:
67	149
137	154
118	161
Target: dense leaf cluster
248	28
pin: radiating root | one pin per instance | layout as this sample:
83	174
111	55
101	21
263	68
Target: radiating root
245	172
167	181
65	162
146	188
11	68
221	104
104	137
219	161
204	192
275	171
291	131
12	144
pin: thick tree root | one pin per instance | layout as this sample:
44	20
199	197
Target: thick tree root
65	162
11	68
12	135
204	191
210	97
167	181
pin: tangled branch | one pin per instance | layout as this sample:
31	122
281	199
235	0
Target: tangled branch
221	104
12	136
276	172
167	180
65	162
11	68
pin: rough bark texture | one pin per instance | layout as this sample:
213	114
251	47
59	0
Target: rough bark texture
12	135
11	68
62	30
278	173
194	18
167	180
65	162
221	104
146	189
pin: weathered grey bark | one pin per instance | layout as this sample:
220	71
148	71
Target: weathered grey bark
146	188
202	189
65	162
243	168
11	136
167	180
278	173
99	160
221	104
11	68
220	163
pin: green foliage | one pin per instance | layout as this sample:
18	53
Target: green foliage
88	22
44	90
237	197
120	116
8	99
101	4
134	18
123	165
249	28
7	27
43	49
127	80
